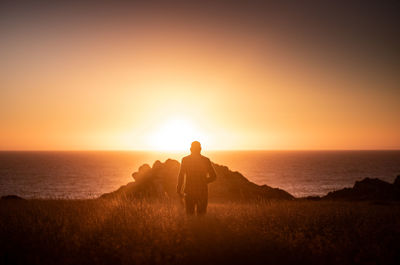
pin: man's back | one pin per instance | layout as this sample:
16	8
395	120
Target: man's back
196	168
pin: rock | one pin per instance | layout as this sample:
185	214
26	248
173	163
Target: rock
311	198
12	198
143	170
160	181
368	189
397	182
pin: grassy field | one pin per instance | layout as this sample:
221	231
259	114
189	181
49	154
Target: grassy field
123	232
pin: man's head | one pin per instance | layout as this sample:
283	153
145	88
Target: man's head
195	148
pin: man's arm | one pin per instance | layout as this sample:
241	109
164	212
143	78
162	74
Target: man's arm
211	172
181	176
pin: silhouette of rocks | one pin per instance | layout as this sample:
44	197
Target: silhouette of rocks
159	181
12	198
311	198
368	189
397	182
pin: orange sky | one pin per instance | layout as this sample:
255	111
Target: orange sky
117	82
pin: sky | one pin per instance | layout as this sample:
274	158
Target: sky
314	75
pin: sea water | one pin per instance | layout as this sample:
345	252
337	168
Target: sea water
88	174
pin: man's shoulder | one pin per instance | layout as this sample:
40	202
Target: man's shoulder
185	158
206	159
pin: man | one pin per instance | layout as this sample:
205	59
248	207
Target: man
196	168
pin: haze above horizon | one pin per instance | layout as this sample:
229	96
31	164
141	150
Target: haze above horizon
260	76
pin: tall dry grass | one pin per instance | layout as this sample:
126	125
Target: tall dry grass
140	232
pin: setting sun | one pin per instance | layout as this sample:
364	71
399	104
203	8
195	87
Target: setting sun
153	80
175	135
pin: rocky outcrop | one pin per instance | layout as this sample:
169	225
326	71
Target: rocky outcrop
159	181
397	182
12	198
368	189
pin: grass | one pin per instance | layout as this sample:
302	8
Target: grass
124	232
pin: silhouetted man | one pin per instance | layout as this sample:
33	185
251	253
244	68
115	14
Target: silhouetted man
199	172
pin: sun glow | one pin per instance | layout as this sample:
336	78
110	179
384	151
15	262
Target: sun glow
175	135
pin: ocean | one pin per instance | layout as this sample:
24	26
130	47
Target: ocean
88	174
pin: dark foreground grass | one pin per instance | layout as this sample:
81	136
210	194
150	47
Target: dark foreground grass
122	232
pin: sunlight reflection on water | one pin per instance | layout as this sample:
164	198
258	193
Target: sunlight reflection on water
90	174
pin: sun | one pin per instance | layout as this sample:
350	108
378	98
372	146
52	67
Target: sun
175	135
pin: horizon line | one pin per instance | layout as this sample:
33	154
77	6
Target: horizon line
182	151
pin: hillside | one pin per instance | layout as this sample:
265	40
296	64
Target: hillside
368	189
159	181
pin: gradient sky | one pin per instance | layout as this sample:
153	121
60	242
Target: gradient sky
315	75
